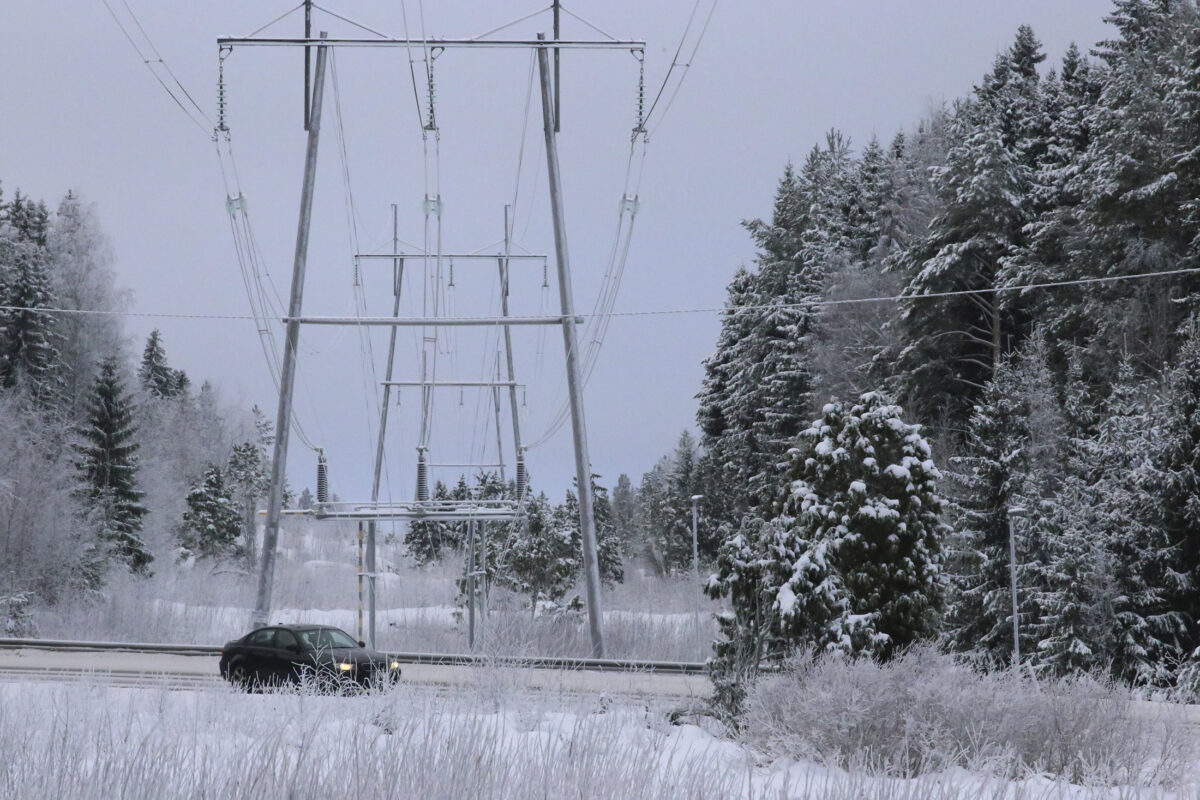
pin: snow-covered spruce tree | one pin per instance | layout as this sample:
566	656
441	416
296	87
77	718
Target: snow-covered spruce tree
83	279
1130	215
1179	462
653	513
608	546
428	542
156	375
1053	233
748	632
108	470
212	523
756	392
29	357
952	343
248	475
26	220
1106	605
624	506
543	557
664	508
987	483
852	560
862	492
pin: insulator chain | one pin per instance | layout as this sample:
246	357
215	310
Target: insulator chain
322	478
431	123
422	475
222	128
640	128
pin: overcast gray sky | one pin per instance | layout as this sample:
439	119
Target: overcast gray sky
79	111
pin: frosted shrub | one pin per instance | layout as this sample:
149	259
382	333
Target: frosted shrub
15	619
924	711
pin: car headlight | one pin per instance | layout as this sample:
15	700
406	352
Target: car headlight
394	665
345	667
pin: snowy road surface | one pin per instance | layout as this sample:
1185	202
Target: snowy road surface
196	671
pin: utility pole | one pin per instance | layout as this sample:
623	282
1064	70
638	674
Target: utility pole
360	582
1013	513
307	62
287	379
696	498
508	353
397	284
557	7
583	466
496	406
471	585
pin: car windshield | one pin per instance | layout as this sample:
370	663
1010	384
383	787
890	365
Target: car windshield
326	639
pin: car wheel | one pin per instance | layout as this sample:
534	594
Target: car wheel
241	677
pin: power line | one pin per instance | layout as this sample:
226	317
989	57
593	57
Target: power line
150	63
674	311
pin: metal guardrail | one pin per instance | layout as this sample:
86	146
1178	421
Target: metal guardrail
435	659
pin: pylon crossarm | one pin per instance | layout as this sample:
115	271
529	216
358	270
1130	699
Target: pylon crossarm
455	256
440	322
427	510
436	44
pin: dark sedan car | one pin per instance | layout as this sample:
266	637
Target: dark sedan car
292	654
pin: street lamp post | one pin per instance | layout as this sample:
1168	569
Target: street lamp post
1013	513
696	498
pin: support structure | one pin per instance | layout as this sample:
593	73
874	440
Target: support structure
307	62
508	348
471	585
397	284
287	378
422	508
583	467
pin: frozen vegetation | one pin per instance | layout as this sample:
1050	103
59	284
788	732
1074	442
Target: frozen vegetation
84	741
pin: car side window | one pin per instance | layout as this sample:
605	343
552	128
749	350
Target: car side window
261	638
285	640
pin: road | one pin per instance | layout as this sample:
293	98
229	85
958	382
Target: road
178	671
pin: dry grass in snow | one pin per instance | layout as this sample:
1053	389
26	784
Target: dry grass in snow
80	741
925	712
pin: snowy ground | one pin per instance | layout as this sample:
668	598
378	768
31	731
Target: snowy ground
183	670
86	741
646	617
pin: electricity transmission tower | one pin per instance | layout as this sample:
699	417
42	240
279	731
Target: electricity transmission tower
422	508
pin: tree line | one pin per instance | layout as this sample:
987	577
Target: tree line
947	333
110	463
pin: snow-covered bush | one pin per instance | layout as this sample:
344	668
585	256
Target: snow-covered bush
15	620
924	711
852	559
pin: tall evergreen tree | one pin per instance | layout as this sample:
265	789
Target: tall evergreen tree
82	279
248	477
27	220
852	559
212	522
954	342
624	510
1179	461
108	469
988	487
156	375
28	353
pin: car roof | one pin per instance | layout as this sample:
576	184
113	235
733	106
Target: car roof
305	627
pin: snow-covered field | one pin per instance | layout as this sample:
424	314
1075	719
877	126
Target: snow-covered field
86	741
645	617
